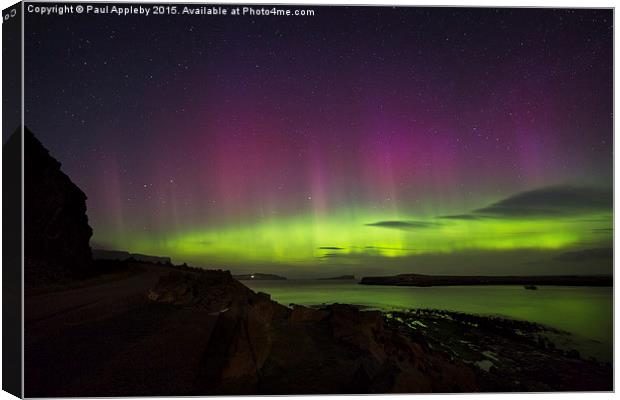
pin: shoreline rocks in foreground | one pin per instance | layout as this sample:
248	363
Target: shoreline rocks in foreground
258	346
176	330
268	348
506	355
452	280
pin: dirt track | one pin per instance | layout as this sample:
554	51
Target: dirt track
77	340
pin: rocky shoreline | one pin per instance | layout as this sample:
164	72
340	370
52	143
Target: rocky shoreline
202	332
506	355
420	350
267	348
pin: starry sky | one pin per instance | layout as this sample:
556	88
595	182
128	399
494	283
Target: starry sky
360	140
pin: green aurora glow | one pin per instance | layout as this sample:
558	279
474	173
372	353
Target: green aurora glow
345	238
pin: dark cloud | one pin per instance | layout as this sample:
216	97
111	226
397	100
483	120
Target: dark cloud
330	248
360	253
331	255
404	225
387	248
551	201
461	216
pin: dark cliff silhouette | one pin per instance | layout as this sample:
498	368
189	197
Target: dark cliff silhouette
56	230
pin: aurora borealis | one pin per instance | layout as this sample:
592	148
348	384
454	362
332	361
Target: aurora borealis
365	139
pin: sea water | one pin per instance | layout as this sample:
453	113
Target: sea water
585	312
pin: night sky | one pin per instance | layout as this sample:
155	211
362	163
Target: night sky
360	140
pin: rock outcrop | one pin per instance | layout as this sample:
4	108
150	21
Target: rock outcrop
258	346
56	230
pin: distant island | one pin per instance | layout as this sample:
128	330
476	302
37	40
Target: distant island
448	280
118	255
259	277
341	277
